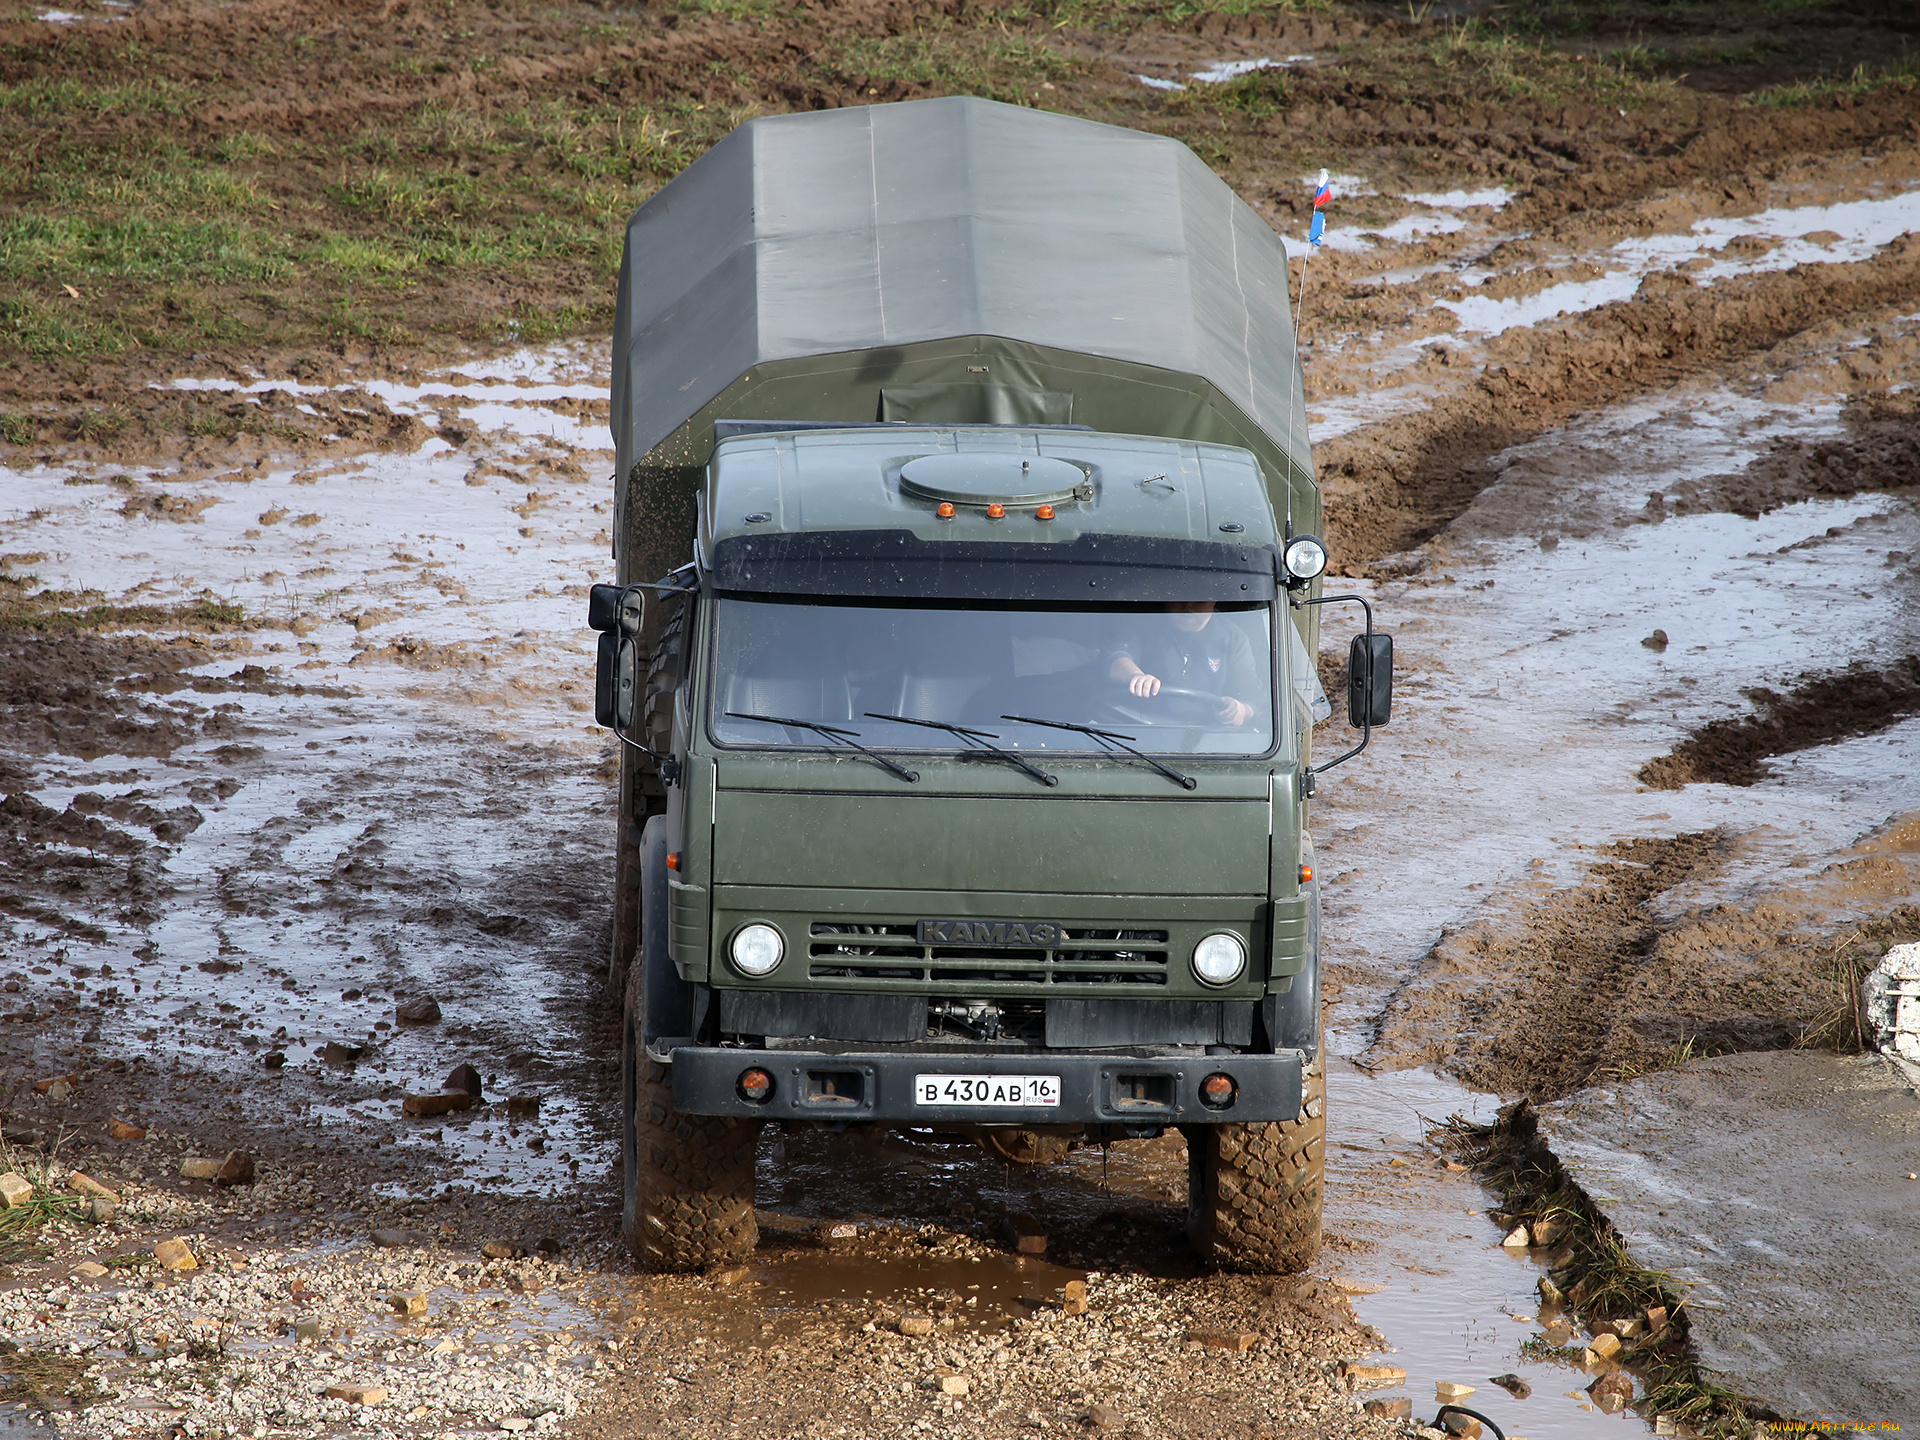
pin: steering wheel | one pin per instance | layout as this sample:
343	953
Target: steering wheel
1190	707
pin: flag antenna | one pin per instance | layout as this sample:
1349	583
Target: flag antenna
1323	193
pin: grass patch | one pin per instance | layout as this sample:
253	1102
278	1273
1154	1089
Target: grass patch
1497	63
1136	14
1842	1024
1595	1275
1008	68
36	1379
17	429
104	423
1902	78
44	329
68	248
528	325
1257	95
47	96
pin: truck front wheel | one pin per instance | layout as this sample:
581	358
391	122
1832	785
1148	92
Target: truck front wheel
1253	1191
689	1178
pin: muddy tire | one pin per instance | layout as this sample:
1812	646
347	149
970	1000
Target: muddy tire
689	1200
689	1178
1254	1191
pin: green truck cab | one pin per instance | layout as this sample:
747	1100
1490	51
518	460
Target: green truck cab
961	660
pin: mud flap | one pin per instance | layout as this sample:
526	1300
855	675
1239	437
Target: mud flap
1292	1019
666	1001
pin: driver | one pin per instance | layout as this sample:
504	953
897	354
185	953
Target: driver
1183	649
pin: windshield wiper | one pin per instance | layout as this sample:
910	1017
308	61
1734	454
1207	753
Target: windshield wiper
834	735
977	738
1113	742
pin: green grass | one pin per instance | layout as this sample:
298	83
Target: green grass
1135	14
1006	67
446	191
45	96
46	328
1902	77
1257	95
139	246
1496	63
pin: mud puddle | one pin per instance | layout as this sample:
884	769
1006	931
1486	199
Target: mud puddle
1566	630
1598	606
1454	1305
415	684
1440	286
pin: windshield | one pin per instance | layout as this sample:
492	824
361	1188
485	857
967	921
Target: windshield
1194	678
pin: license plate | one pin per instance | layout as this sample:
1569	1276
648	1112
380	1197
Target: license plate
1011	1091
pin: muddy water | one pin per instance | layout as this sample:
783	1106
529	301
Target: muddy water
1453	1305
361	838
1527	676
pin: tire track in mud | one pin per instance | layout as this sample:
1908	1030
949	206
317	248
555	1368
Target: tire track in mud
1720	148
1817	709
1601	981
1395	484
1538	1007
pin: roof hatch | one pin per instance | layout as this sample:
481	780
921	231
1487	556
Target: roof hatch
973	478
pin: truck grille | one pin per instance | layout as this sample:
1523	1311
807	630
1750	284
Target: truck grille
889	955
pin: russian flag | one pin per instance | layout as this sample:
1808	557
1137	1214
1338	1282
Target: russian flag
1321	197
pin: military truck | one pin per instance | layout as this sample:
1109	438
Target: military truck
961	657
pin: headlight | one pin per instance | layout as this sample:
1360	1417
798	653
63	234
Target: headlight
1306	558
1219	959
756	949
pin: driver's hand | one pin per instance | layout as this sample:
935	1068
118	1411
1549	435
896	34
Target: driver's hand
1146	686
1234	712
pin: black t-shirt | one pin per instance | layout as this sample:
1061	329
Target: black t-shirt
1215	659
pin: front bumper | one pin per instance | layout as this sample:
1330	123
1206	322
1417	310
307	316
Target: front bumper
873	1085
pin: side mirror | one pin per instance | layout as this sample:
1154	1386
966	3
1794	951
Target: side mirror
616	681
603	607
1369	680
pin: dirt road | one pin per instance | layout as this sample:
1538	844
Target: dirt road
1615	410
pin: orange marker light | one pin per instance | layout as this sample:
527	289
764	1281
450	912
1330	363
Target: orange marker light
673	860
1306	874
945	510
996	511
1217	1091
1045	512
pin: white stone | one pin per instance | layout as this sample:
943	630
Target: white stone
1891	997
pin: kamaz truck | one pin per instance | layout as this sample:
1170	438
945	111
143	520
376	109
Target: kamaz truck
960	654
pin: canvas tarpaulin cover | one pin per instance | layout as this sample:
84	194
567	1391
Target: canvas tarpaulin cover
955	261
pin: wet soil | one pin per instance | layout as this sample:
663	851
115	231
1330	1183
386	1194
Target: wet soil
1574	981
1863	699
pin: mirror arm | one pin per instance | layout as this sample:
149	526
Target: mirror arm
1308	774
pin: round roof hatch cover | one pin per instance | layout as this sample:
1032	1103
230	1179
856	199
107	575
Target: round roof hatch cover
977	479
